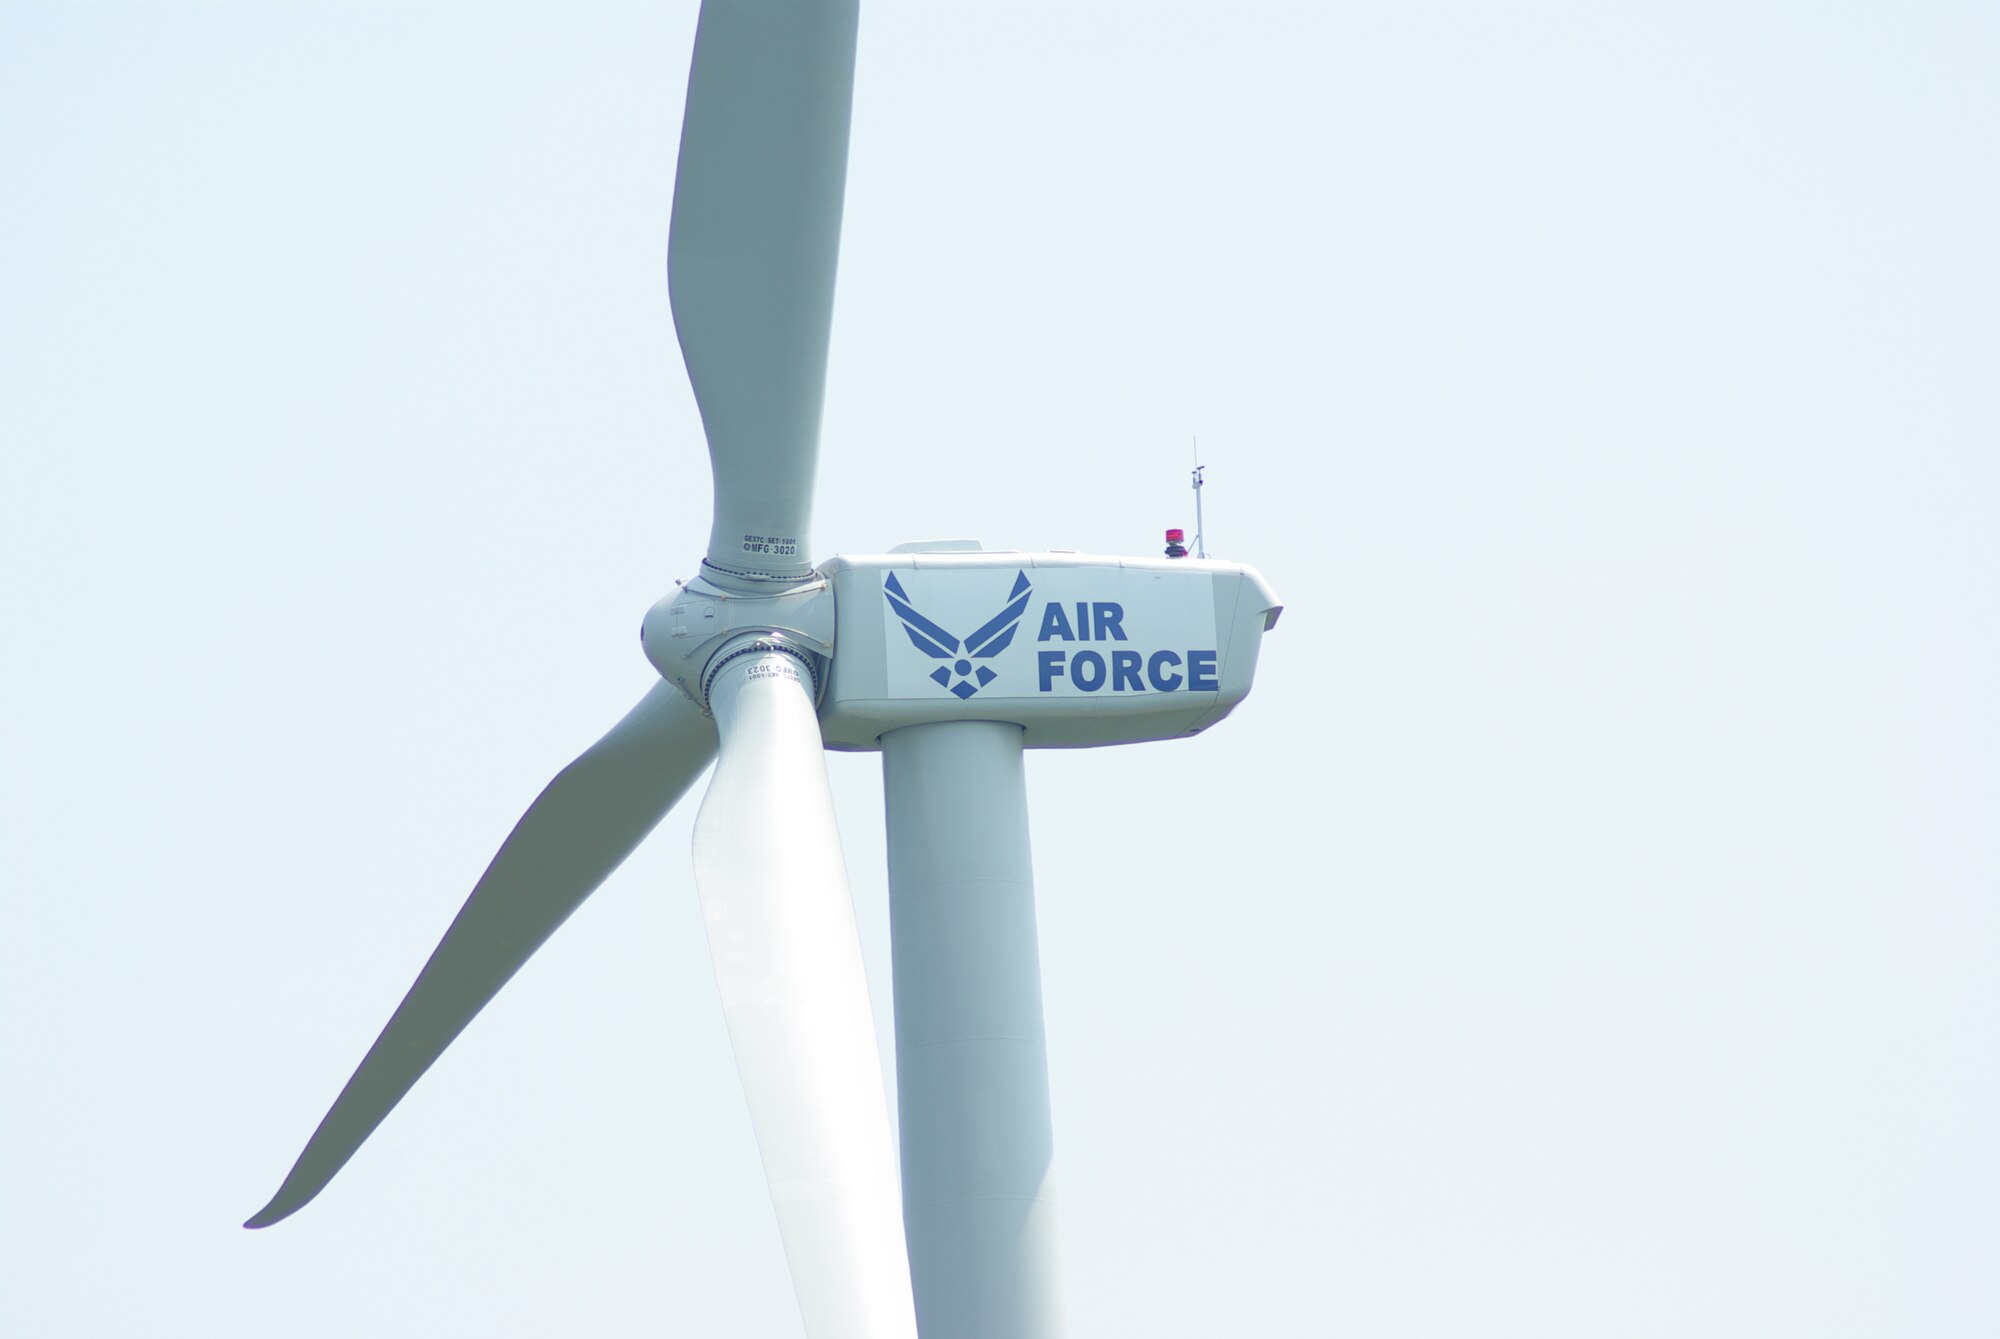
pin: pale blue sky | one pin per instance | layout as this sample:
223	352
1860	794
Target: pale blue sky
1588	927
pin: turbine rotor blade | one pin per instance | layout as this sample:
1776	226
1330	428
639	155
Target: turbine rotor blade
595	812
780	923
751	256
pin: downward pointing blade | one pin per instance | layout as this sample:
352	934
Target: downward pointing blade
750	260
781	927
596	811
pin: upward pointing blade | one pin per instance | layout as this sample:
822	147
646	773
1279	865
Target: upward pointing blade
750	260
575	833
781	927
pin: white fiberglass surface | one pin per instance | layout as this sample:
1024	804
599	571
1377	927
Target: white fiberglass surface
780	920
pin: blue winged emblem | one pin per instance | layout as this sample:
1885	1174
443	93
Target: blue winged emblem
961	678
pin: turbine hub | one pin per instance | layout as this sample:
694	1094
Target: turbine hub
688	634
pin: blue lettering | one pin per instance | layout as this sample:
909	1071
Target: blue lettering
1105	619
1131	671
1054	625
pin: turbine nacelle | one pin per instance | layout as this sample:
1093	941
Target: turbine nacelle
1077	649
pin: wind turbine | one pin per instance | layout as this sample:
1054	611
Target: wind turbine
948	659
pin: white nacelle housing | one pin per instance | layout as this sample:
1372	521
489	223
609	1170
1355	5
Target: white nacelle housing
1077	649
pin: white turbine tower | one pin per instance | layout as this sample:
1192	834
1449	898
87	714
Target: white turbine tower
948	659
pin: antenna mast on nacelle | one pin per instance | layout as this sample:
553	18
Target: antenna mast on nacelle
1200	549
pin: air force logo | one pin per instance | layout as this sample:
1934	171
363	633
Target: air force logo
961	678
